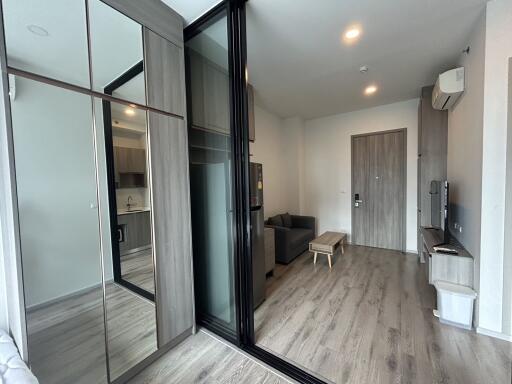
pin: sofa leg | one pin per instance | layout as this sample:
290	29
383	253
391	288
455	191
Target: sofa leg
314	260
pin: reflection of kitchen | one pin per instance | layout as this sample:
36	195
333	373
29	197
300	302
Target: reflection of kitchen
132	195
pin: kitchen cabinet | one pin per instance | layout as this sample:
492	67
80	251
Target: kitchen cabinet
136	227
130	160
130	167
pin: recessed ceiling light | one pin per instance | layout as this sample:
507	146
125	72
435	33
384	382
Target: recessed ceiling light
129	111
352	34
37	30
370	90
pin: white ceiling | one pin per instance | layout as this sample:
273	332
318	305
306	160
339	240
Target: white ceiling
190	10
299	66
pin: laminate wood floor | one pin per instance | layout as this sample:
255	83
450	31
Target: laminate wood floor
138	269
203	359
369	320
67	339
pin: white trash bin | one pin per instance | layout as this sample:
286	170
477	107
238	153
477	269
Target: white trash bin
455	304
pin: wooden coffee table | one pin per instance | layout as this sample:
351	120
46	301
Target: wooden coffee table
328	243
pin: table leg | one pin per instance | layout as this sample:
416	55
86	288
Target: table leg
330	262
342	247
314	261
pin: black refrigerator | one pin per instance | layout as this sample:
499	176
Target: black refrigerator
257	233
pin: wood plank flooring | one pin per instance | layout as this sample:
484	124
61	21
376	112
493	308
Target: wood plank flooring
67	339
369	320
203	359
138	269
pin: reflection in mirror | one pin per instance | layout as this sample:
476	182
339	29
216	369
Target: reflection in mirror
129	267
48	38
116	52
60	235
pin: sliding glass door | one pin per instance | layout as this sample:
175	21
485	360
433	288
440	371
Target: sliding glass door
211	172
218	128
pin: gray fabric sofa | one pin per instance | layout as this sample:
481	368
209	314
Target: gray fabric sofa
292	235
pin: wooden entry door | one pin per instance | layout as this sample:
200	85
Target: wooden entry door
378	189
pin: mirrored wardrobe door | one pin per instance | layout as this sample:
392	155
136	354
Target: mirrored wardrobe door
116	53
60	233
48	38
129	266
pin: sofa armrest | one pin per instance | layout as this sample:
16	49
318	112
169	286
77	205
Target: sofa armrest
281	239
307	222
279	231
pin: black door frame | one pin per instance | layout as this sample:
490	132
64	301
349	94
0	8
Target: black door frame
244	337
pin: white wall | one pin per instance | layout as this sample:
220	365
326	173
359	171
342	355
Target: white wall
275	148
465	130
327	163
12	285
56	186
507	264
498	50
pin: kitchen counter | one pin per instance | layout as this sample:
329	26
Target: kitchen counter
132	210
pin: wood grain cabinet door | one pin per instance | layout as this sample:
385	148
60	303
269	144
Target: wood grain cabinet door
216	97
172	228
164	74
136	160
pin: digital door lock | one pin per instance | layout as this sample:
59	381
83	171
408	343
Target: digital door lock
357	201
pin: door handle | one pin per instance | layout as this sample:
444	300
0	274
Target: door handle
357	201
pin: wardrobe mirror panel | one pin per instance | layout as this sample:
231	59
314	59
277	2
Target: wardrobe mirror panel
129	267
116	53
60	232
48	38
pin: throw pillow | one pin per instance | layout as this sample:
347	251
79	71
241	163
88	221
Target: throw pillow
276	220
287	220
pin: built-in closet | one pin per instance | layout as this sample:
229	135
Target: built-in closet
96	117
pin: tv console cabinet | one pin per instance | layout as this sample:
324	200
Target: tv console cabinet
457	269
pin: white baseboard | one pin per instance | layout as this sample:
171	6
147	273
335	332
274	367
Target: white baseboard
497	335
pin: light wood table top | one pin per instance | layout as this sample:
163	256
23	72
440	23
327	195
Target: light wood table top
327	242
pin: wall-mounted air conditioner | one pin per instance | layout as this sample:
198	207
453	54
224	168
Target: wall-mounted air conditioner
449	86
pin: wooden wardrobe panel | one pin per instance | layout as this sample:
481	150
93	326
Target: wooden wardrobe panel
434	151
164	74
172	228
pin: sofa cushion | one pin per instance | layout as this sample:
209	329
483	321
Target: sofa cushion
276	220
300	236
287	220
